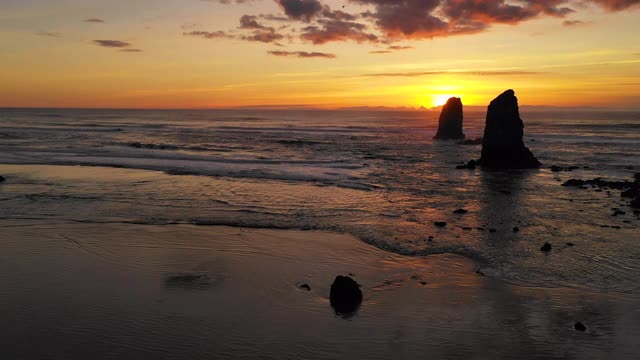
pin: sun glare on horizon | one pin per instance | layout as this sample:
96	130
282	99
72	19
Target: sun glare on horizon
441	99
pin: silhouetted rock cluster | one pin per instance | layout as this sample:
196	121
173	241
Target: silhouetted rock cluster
634	192
450	124
346	295
503	147
600	183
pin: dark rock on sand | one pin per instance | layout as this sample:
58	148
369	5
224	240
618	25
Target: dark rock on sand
460	211
503	147
492	230
618	212
477	141
2	179
450	124
346	295
634	192
546	247
440	223
580	327
305	287
516	229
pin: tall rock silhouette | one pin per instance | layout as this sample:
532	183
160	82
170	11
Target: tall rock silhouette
502	147
450	124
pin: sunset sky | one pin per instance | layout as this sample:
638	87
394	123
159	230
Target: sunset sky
223	53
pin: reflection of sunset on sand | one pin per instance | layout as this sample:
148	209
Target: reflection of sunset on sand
241	293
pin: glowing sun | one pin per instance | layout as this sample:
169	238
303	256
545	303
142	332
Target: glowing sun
441	99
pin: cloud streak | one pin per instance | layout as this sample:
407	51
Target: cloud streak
303	54
444	72
122	46
111	43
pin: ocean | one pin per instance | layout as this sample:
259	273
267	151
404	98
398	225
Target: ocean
374	174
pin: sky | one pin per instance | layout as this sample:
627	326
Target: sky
334	53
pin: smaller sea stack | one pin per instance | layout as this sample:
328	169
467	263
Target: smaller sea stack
502	147
450	124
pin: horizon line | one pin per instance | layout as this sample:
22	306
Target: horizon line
320	107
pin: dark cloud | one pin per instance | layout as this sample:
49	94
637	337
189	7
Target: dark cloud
303	54
406	18
423	19
94	20
301	9
111	43
388	21
616	5
251	22
336	30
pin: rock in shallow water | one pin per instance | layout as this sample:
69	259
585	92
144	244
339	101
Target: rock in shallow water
2	179
346	295
546	247
580	327
450	124
503	147
305	287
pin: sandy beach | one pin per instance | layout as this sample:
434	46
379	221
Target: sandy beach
107	291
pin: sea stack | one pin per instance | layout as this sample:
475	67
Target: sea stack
450	124
502	147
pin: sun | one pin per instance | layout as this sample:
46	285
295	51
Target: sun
440	99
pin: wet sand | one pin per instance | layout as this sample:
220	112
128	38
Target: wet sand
126	291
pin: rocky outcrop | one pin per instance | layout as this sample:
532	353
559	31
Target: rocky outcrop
634	192
502	147
346	295
450	124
